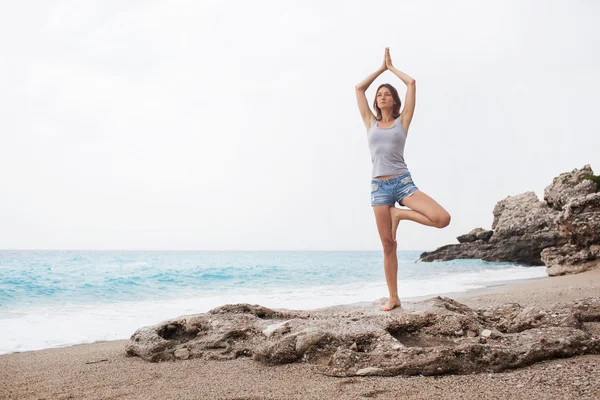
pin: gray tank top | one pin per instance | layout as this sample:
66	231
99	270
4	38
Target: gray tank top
387	149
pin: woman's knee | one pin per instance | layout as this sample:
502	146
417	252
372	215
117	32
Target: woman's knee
442	220
389	245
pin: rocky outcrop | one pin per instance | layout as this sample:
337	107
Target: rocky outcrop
570	259
559	232
475	235
437	336
579	224
522	227
570	185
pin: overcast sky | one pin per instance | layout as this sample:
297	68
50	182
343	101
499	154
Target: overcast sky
210	125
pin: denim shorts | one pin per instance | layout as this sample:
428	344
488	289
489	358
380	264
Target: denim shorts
389	191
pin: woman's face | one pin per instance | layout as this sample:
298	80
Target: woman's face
384	98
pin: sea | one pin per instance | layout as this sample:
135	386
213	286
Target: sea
60	298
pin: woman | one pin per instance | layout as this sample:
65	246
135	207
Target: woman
392	182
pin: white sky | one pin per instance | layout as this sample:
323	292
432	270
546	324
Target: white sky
209	125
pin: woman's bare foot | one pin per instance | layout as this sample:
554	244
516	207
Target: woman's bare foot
390	304
395	214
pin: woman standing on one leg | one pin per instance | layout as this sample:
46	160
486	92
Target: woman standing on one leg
392	182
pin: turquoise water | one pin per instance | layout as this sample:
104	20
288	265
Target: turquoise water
86	296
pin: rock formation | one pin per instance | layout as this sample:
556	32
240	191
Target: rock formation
436	336
561	232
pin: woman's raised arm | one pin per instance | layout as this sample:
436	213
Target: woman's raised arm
411	93
363	105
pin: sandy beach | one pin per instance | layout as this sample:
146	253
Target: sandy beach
103	371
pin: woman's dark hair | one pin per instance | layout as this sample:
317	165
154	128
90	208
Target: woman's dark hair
394	93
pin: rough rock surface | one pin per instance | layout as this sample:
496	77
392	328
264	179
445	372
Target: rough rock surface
570	259
474	235
569	185
436	336
579	224
559	232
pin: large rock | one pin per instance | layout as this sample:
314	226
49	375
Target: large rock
437	336
569	185
570	259
579	224
523	226
475	235
523	215
557	232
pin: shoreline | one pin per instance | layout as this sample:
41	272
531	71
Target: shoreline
101	370
486	287
491	288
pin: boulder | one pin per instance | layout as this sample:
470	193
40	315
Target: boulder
475	235
570	259
569	185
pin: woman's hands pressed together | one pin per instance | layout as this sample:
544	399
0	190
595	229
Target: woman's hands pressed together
385	57
388	59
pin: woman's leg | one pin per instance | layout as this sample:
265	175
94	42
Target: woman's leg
423	209
390	259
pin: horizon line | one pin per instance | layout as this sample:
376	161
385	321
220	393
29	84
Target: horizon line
206	250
